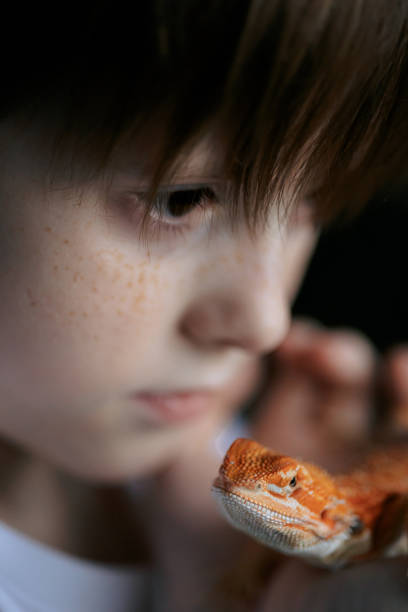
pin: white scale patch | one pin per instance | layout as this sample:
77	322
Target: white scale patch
275	489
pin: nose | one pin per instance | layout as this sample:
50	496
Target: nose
241	303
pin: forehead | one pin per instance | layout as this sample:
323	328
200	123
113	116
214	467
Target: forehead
204	157
202	161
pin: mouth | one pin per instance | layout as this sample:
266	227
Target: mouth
176	406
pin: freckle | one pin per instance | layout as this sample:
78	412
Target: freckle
47	229
80	258
137	300
96	338
67	268
130	284
119	257
66	241
33	303
120	313
71	313
75	277
56	267
141	277
85	315
94	290
129	267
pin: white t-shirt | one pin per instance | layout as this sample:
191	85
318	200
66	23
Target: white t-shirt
36	578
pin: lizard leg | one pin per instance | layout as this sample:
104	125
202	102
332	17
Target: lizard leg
390	533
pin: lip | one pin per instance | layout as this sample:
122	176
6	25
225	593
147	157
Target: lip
176	406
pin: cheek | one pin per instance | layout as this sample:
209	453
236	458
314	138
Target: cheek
297	253
81	312
100	285
106	299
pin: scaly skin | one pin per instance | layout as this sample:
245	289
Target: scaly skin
299	509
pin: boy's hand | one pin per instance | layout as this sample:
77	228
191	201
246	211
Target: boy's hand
325	417
380	586
319	404
396	385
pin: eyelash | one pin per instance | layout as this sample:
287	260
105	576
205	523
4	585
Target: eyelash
193	198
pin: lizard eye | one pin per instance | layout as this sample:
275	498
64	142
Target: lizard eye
356	526
293	482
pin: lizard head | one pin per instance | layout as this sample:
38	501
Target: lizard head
290	505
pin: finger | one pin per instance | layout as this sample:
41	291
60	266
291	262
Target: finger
289	417
319	401
396	364
395	377
302	334
302	417
347	425
349	416
346	357
341	357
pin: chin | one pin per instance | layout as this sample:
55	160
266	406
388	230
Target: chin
113	468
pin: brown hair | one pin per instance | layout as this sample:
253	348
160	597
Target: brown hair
305	95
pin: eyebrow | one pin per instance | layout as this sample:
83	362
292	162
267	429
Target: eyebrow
194	182
203	163
180	180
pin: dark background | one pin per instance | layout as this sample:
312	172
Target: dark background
358	275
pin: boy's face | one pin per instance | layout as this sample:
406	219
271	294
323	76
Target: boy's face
114	349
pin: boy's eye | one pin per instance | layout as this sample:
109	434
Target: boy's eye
175	209
173	205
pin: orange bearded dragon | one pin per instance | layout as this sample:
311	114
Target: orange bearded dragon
299	509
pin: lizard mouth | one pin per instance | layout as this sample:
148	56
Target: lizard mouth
286	534
270	527
227	491
231	499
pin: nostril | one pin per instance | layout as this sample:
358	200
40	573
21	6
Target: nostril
356	527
